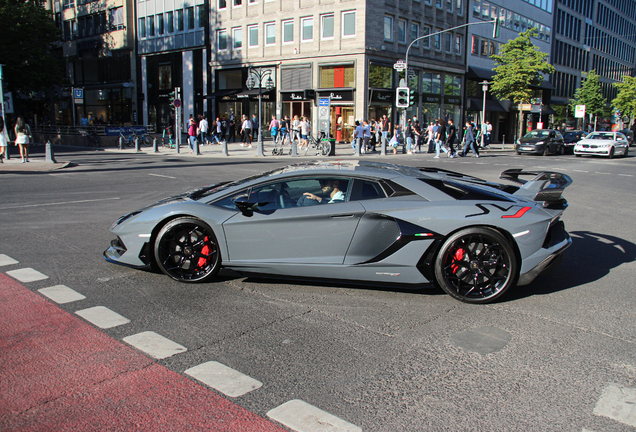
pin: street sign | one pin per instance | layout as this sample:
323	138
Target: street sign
177	103
400	65
579	111
323	102
78	95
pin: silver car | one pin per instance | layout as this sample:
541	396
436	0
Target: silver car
357	222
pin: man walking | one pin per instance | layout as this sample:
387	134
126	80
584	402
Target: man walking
469	139
386	130
452	136
440	140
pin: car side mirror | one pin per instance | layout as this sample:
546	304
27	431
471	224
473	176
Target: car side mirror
242	203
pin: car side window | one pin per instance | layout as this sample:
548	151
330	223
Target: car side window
228	201
366	190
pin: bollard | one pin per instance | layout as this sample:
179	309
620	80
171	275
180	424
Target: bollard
49	153
196	147
224	146
503	143
294	148
137	144
154	145
121	143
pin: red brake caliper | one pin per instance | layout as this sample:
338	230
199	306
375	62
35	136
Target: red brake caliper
205	250
459	255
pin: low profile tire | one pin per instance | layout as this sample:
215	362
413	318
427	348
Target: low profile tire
611	153
476	265
562	150
626	151
546	151
326	148
186	250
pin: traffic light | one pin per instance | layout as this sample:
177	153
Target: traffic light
411	98
175	96
495	28
402	97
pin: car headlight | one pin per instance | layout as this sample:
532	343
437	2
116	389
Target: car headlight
540	143
605	145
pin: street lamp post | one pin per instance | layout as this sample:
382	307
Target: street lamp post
484	89
260	75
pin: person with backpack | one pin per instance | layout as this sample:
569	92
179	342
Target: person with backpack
23	138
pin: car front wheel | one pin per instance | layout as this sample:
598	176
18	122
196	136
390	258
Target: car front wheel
186	250
476	265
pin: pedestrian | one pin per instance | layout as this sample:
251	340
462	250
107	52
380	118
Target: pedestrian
274	127
408	134
386	129
440	140
305	127
192	133
469	140
4	139
488	135
246	131
417	136
284	130
430	135
295	130
203	130
255	126
232	132
23	138
452	136
218	133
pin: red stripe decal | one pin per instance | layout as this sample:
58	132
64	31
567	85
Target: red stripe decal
520	213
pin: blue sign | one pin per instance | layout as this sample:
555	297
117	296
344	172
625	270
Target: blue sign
78	93
126	130
323	102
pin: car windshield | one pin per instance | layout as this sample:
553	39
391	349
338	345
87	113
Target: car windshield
570	135
600	136
536	134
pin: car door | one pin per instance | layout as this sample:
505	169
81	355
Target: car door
277	229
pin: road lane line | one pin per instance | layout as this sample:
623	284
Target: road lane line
626	175
598	172
580	171
155	345
618	403
27	275
102	317
159	175
61	294
224	379
59	203
6	260
302	417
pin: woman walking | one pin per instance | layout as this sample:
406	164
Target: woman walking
4	139
23	137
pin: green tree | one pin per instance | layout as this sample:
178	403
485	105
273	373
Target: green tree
625	100
519	65
590	95
28	35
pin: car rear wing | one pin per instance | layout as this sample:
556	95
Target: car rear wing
544	186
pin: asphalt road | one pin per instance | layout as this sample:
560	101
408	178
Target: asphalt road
558	354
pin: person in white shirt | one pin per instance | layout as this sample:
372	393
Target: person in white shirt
4	139
246	130
203	130
330	194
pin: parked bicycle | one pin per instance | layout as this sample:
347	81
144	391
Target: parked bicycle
129	141
91	139
322	145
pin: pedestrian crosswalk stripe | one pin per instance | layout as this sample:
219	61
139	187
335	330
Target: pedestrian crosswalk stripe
102	317
303	417
27	275
61	294
7	260
154	345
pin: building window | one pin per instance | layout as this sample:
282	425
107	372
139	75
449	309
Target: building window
201	15
458	44
402	31
448	42
437	43
222	4
415	33
452	85
348	24
190	17
426	42
170	21
337	76
159	24
237	38
388	28
270	34
288	31
307	29
326	31
380	76
151	26
117	19
431	83
459	7
252	1
142	28
252	35
179	20
221	40
237	3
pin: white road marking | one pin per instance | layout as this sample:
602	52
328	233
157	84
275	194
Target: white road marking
27	275
228	381
159	175
154	345
59	203
618	404
302	417
102	317
598	172
7	260
580	171
626	175
61	294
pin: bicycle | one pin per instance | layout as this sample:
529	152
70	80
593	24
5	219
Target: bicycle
322	146
144	139
91	139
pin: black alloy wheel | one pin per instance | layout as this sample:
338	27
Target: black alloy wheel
186	249
476	265
611	153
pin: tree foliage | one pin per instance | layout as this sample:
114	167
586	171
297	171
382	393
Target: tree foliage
625	100
519	65
28	34
590	95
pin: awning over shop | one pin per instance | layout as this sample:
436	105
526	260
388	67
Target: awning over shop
221	93
476	104
475	73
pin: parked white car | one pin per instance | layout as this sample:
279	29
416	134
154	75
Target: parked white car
608	144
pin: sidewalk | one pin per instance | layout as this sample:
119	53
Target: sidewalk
38	164
59	373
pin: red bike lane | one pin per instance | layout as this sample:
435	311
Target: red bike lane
58	372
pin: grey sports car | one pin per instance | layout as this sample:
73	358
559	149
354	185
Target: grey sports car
358	222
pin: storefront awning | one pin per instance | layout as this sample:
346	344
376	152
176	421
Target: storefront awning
245	94
476	73
221	93
476	104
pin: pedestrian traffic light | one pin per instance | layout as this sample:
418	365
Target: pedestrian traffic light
402	97
495	28
411	98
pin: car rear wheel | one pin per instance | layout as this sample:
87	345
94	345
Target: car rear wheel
546	151
476	265
611	153
626	151
186	250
